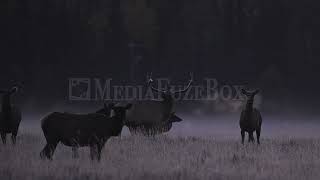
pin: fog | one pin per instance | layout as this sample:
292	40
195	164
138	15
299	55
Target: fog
220	126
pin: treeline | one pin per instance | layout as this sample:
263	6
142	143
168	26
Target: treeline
45	41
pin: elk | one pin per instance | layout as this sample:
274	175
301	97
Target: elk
250	120
10	116
106	110
73	130
154	116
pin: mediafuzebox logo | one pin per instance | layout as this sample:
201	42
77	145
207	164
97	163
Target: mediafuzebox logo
97	89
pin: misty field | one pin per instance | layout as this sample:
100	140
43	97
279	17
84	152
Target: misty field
166	157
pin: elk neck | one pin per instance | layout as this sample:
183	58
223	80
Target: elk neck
168	106
118	122
249	105
119	117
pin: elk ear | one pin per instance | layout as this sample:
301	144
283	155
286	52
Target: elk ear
256	91
128	106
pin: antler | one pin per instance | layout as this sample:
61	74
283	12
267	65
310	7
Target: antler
150	81
188	86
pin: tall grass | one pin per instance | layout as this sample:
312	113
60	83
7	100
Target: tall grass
164	157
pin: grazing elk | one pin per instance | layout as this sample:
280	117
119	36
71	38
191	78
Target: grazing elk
10	116
250	119
153	116
91	130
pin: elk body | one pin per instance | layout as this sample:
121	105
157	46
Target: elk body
106	110
153	116
91	130
10	116
152	128
250	120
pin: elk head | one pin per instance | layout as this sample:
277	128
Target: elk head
168	92
14	89
175	118
250	97
250	94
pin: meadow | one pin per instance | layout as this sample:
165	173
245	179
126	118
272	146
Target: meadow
170	156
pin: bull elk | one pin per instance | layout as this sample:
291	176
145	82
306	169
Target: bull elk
250	120
10	116
154	116
73	130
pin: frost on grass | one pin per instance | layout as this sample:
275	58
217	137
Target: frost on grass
165	157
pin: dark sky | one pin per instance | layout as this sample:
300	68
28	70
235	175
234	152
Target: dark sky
268	44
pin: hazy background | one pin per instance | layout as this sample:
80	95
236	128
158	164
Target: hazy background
268	44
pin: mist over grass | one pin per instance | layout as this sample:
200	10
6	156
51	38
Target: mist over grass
220	126
204	148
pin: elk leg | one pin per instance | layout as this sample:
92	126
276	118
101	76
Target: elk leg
48	150
242	136
94	151
44	152
75	153
258	135
251	138
4	137
99	149
14	138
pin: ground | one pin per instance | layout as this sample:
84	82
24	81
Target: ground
167	157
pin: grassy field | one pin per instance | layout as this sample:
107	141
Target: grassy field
167	157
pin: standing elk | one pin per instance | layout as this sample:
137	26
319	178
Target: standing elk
153	116
73	130
106	110
10	116
250	119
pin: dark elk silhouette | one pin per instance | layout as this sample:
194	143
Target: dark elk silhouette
73	130
10	116
152	117
250	120
106	110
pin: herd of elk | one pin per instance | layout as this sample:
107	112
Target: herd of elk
149	117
